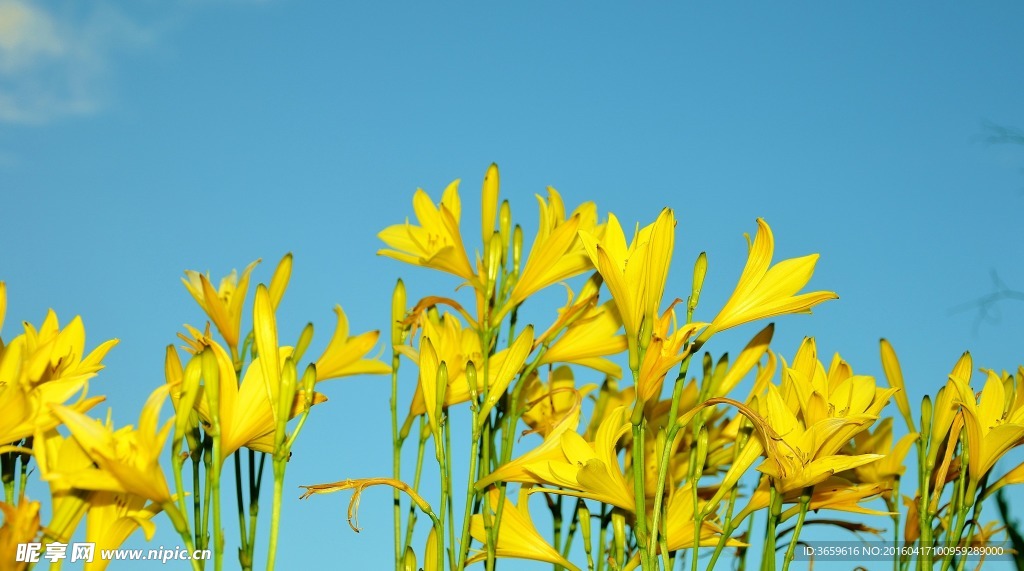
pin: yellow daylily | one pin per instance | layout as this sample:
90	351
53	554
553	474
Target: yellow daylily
805	456
222	305
446	341
27	410
767	291
517	537
666	350
518	469
993	425
636	275
246	409
557	253
55	455
21	525
437	242
880	442
545	404
590	340
345	356
590	470
112	518
128	459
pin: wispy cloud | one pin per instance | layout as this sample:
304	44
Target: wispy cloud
54	65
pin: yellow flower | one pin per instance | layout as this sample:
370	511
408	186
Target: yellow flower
545	404
666	350
21	524
557	253
345	356
880	442
128	459
994	422
223	305
112	518
805	456
765	291
833	493
42	367
246	411
56	455
636	275
517	538
590	470
446	341
589	340
518	470
750	357
437	242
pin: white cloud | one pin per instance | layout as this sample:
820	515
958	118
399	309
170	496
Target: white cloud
54	65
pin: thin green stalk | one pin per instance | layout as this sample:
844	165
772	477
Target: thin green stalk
671	432
774	512
208	492
452	546
805	503
573	527
7	469
197	503
280	464
255	480
605	520
417	475
474	453
25	458
396	459
639	494
218	537
181	526
246	563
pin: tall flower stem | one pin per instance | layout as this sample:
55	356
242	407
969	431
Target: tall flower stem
805	502
181	526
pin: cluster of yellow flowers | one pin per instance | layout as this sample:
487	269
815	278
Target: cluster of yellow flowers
637	466
651	476
226	398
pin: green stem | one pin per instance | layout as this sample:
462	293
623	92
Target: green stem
181	526
420	454
639	494
280	464
774	512
246	564
396	459
805	503
470	494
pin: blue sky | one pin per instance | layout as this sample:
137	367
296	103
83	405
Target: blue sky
141	139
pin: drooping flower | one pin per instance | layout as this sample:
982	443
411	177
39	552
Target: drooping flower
767	291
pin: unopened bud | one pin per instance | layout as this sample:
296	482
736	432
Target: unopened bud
398	310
